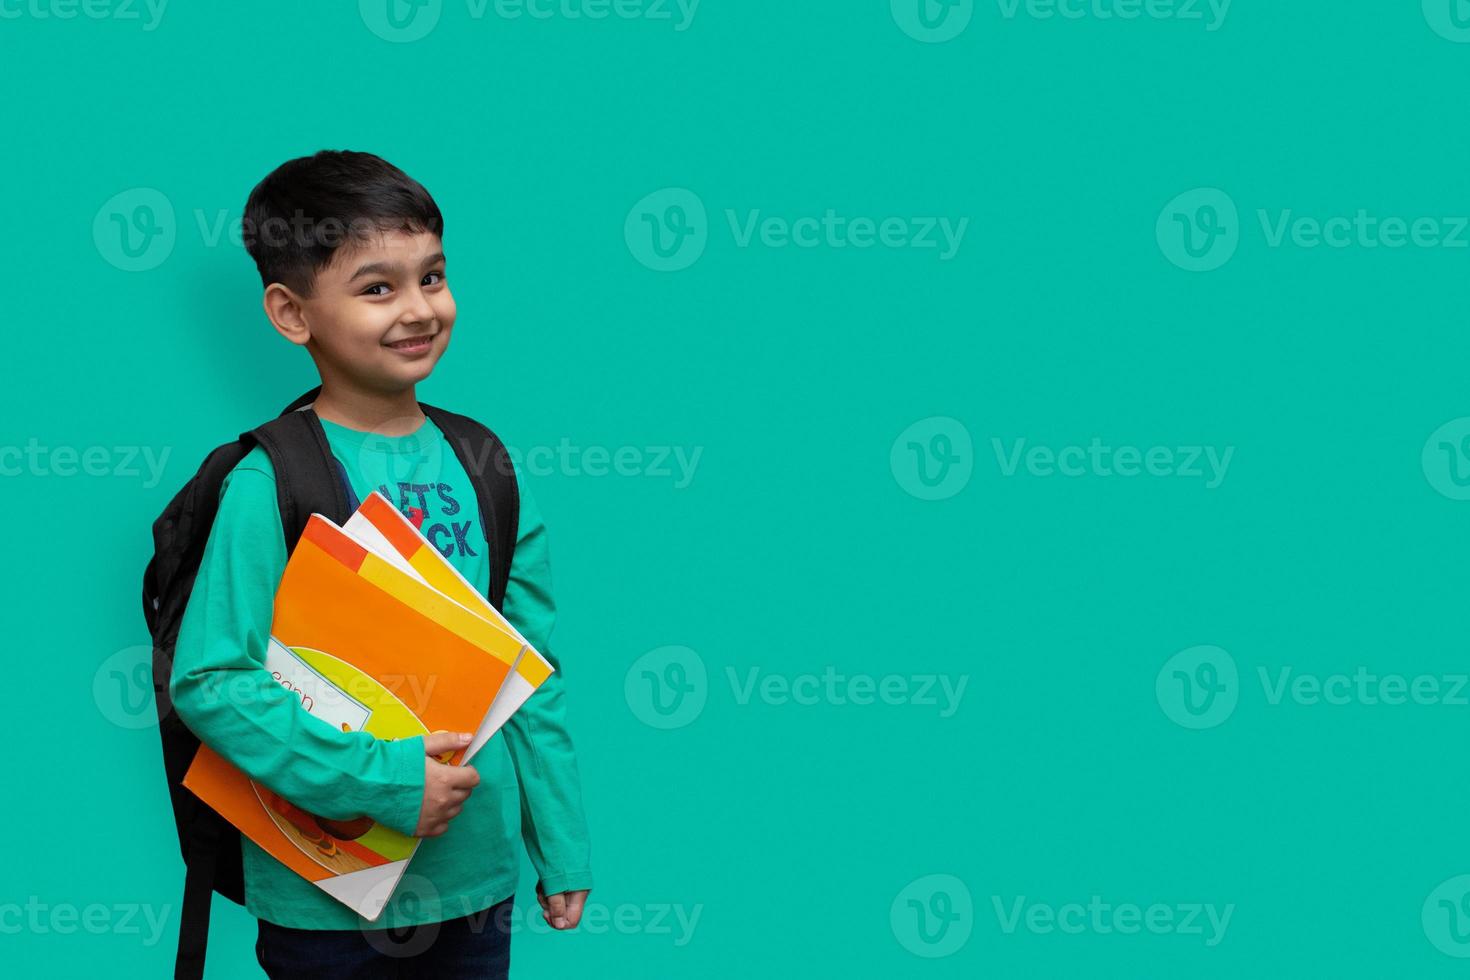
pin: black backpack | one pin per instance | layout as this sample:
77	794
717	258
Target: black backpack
308	480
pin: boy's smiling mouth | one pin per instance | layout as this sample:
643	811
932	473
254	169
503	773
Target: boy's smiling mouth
412	345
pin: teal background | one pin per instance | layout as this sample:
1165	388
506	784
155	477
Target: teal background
797	831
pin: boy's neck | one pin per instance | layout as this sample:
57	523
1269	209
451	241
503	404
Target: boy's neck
390	415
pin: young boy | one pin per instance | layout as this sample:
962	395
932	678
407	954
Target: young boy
350	253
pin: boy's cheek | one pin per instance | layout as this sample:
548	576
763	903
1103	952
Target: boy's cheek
446	310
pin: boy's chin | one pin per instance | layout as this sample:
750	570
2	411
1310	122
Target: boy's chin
411	371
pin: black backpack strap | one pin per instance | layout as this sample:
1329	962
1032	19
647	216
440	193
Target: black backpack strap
308	477
488	463
205	841
303	401
179	535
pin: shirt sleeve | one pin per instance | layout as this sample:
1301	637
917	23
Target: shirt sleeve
224	694
553	824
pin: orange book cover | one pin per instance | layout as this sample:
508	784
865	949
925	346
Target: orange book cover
351	635
382	527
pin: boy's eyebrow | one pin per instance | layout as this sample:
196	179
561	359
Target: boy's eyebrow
372	268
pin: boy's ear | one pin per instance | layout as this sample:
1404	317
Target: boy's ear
284	309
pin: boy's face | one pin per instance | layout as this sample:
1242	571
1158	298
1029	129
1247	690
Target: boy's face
380	313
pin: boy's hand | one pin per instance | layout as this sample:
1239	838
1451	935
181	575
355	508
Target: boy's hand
562	910
445	787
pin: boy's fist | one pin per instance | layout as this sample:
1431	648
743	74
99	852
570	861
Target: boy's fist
445	787
562	910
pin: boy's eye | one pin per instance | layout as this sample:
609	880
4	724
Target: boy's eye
376	285
431	275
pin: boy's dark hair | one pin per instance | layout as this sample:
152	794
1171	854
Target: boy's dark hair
307	208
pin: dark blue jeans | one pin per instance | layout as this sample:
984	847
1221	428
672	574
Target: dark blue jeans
476	945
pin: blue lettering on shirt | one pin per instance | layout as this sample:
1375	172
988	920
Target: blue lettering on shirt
449	538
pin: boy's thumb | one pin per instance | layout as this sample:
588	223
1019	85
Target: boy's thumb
556	910
445	744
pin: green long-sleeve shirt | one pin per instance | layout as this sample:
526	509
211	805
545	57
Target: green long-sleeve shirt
223	693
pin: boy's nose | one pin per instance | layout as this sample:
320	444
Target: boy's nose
418	309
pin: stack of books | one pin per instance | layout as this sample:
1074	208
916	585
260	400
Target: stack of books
374	631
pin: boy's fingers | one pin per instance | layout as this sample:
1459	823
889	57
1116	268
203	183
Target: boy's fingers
442	743
463	777
575	901
557	910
